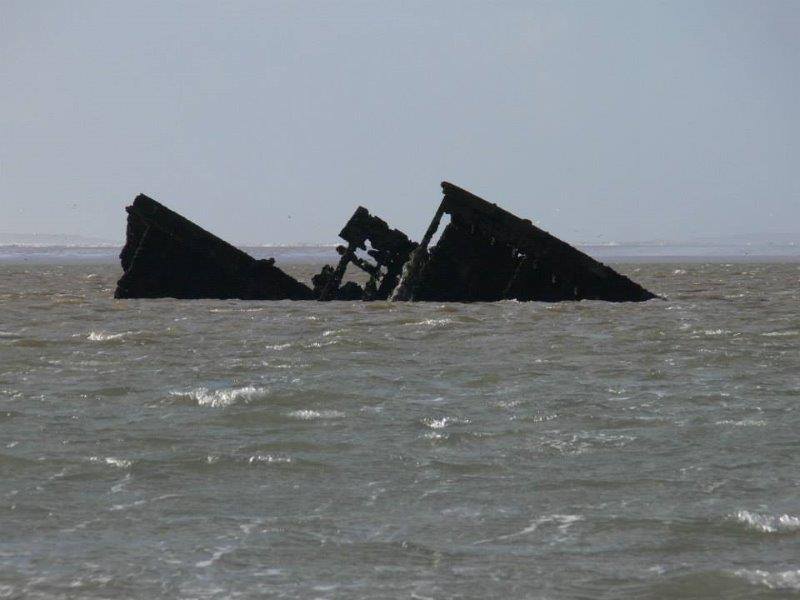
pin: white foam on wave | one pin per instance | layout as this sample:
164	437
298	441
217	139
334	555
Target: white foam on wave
790	333
778	580
222	397
120	463
321	344
743	422
307	415
142	502
277	347
768	523
236	310
561	522
269	459
104	336
433	322
443	422
581	443
539	418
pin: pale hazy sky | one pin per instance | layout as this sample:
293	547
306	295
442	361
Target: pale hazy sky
270	121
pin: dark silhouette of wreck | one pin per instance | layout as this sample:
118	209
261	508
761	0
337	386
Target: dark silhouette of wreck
484	254
168	256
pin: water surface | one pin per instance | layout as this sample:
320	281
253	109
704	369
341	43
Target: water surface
224	449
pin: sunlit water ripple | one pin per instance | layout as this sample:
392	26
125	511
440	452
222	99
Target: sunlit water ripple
214	449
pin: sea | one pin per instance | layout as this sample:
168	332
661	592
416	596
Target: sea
228	449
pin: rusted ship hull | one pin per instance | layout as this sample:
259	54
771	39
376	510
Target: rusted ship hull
484	254
166	255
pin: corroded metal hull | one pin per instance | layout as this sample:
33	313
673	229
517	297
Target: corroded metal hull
484	254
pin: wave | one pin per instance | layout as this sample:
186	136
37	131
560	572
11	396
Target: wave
768	523
561	522
119	463
776	580
432	322
443	422
307	415
789	333
712	332
269	459
215	556
278	346
742	423
103	336
221	397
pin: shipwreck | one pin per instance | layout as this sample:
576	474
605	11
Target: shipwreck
483	254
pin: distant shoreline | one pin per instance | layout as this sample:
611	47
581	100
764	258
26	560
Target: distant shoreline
320	254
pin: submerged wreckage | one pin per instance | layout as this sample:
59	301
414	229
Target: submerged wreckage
483	254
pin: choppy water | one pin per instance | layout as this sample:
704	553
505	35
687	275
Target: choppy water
209	449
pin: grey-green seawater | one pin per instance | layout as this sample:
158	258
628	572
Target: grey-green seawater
227	449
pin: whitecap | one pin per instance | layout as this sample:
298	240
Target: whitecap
306	414
443	422
102	336
768	523
120	463
778	580
277	347
321	344
742	423
508	403
269	459
542	418
222	397
433	322
781	333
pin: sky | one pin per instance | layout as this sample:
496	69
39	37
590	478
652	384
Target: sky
269	122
